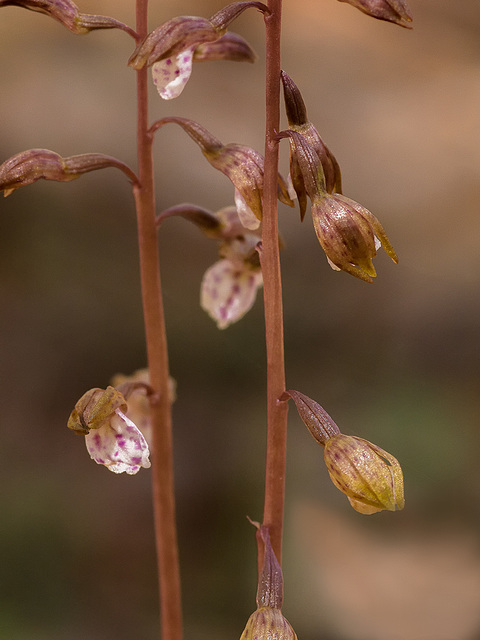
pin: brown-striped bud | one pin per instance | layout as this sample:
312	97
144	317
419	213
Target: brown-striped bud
67	13
370	477
241	164
36	164
348	233
298	121
267	622
395	11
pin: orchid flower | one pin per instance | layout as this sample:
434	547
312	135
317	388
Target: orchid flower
111	437
171	48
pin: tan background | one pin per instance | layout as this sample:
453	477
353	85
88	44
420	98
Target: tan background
396	362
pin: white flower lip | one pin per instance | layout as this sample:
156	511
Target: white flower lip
119	445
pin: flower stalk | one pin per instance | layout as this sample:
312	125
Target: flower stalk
270	261
162	449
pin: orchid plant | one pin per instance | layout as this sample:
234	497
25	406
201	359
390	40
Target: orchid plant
130	421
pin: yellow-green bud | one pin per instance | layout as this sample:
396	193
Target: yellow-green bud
370	477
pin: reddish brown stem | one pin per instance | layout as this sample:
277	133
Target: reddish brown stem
162	446
272	285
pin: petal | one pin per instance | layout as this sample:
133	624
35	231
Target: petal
248	219
171	75
118	445
228	292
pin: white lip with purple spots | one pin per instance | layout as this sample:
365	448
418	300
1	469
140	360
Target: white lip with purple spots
119	445
171	75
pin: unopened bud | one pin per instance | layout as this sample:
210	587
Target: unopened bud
267	622
67	13
395	11
35	164
298	122
370	477
350	235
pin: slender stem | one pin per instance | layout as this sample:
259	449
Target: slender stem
270	260
162	446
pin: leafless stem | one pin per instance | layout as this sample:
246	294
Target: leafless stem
162	447
270	261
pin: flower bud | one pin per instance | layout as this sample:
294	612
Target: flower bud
111	437
298	121
395	11
66	12
241	164
35	164
267	622
348	233
370	477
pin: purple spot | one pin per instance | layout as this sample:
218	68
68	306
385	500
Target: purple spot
136	460
236	289
168	61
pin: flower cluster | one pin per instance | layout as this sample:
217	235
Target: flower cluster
370	477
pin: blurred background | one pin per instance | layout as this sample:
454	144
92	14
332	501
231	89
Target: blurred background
396	362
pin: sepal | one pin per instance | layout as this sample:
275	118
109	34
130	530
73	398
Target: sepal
316	419
298	121
231	46
395	11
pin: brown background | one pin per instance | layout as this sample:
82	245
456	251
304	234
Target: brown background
396	362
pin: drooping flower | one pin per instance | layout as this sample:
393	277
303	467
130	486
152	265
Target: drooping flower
241	164
111	437
348	232
395	11
66	12
229	287
268	622
171	48
370	477
36	164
